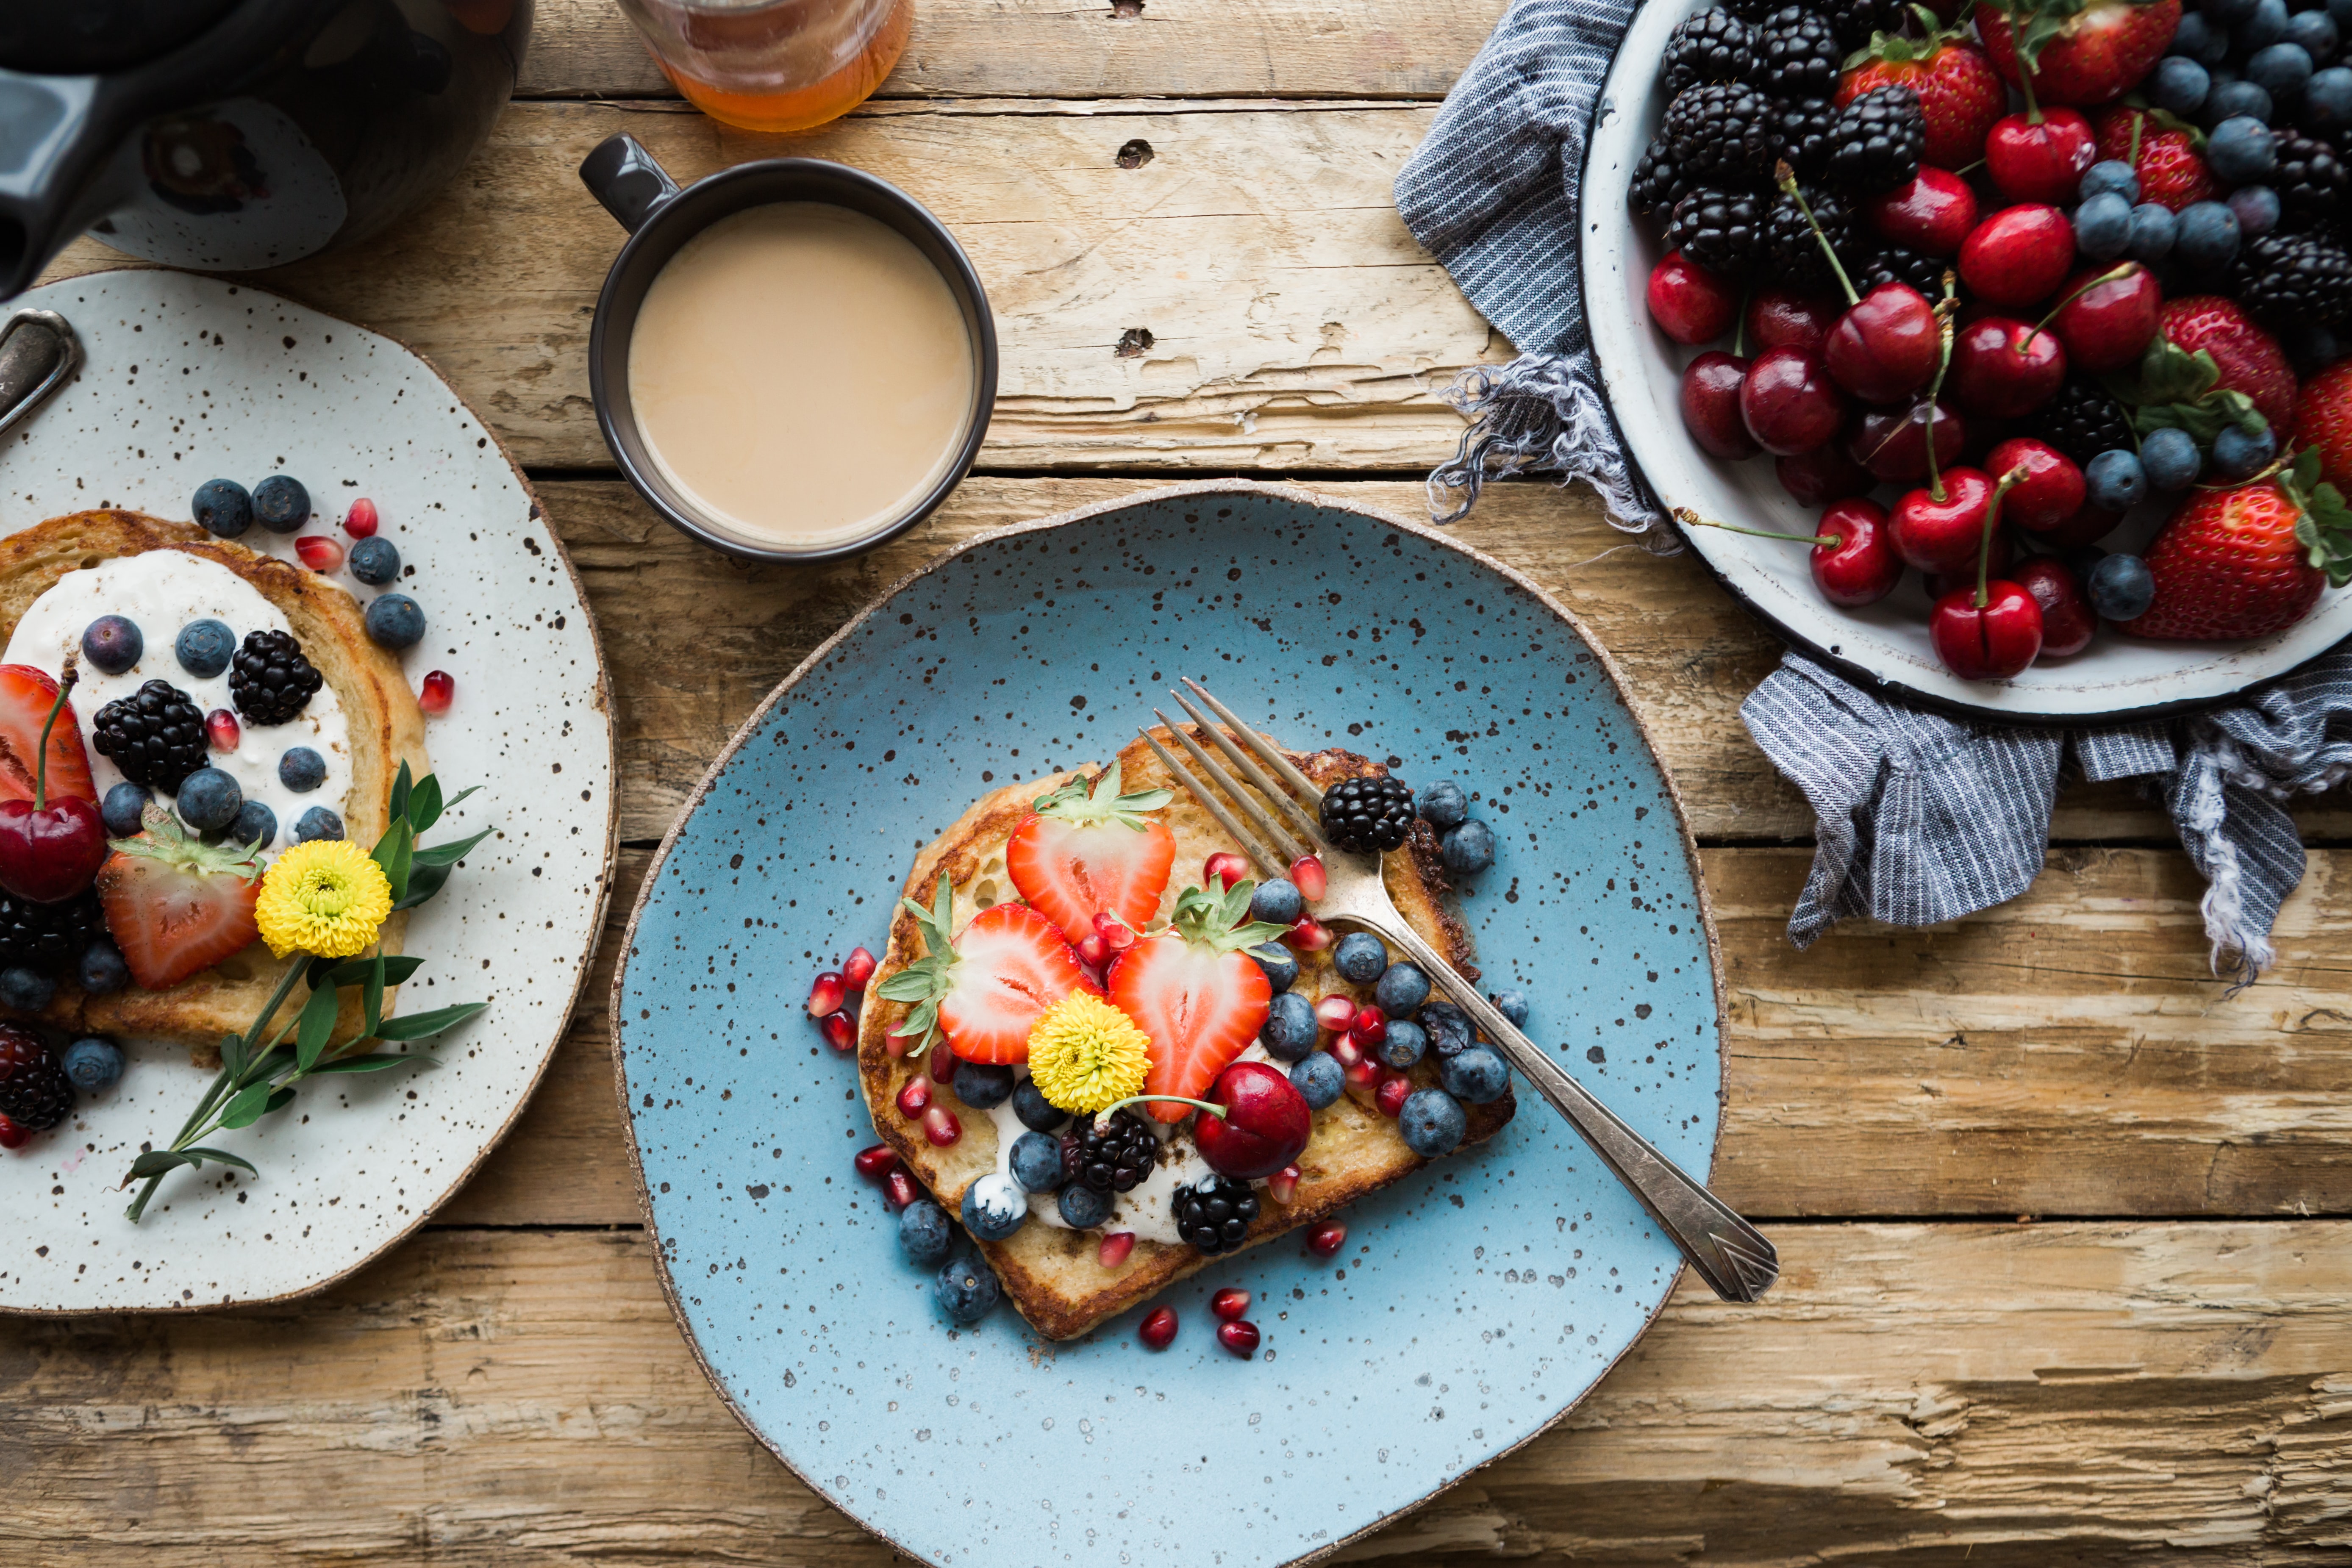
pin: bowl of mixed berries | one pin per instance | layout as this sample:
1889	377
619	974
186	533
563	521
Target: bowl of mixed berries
2000	353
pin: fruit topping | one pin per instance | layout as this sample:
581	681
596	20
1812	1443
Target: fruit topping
221	731
1083	1208
1109	1153
205	648
1213	1215
28	698
941	1126
394	621
1036	1162
176	905
900	1190
360	522
1476	1074
1319	1079
223	508
984	1086
112	644
1195	991
1365	815
209	800
1254	1122
120	810
35	1093
270	680
50	845
1432	1122
318	822
1284	1184
914	1096
374	561
48	937
1158	1330
156	735
1389	1096
1221	871
1084	852
995	1206
986	988
280	504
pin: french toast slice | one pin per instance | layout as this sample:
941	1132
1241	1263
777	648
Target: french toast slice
1053	1277
385	727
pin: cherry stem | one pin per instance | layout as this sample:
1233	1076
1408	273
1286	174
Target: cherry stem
1787	177
1992	522
1684	515
41	768
2114	274
2139	123
1945	308
1739	332
1219	1111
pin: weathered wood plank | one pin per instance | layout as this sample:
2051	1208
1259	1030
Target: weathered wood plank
1295	323
2096	1394
1050	48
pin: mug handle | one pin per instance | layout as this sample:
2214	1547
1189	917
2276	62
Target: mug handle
623	176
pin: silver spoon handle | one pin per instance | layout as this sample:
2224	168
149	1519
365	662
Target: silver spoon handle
1728	1253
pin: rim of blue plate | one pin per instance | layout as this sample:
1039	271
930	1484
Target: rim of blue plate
757	721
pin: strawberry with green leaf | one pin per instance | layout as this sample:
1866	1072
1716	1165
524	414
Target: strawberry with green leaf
985	987
1082	852
2248	358
2168	155
2250	561
2076	51
2175	389
1193	990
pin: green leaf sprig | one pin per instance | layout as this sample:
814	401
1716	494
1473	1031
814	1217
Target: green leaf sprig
2175	389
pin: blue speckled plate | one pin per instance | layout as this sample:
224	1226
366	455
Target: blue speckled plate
1473	1304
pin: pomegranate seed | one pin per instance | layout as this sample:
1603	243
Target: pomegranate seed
360	522
1336	1013
12	1136
1309	878
319	552
222	730
1307	934
1364	1081
1159	1328
874	1164
1391	1094
914	1096
1325	1239
856	970
898	1188
941	1126
1224	869
1282	1184
896	1044
943	1062
839	1032
1370	1027
437	692
1347	1052
1115	933
1239	1337
1113	1252
1092	952
825	994
1229	1303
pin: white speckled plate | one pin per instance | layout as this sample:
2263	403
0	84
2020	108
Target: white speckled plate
189	379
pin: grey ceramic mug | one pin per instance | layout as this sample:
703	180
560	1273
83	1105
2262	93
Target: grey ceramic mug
661	217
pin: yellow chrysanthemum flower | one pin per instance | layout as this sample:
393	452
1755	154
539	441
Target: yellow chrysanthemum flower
326	896
1085	1054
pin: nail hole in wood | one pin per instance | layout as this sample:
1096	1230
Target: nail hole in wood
1133	342
1135	154
1127	8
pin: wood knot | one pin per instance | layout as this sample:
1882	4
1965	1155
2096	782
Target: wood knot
1135	154
1133	342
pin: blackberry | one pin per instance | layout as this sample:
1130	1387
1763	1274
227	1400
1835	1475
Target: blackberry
1364	815
1717	229
1707	46
1720	134
2294	281
1214	1213
1878	140
270	681
1111	1156
1788	249
1658	184
1752	12
1892	263
2311	181
2084	420
156	735
35	1093
1797	55
48	937
1856	22
1801	134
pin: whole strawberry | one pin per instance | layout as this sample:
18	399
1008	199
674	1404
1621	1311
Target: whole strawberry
2248	561
2076	51
1959	94
2248	357
2169	158
2323	422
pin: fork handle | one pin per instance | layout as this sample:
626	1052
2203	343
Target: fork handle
1728	1253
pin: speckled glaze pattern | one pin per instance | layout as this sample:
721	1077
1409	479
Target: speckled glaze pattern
1473	1304
190	379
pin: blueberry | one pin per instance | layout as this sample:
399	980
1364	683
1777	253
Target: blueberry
2313	348
2208	237
2121	588
112	644
223	508
1276	899
1037	1161
1402	1044
280	504
2103	226
209	799
1442	804
373	561
2227	13
2238	453
2280	70
2256	208
1033	1111
205	648
993	1206
1319	1080
93	1064
1402	988
966	1290
2316	33
1359	956
255	825
1511	1004
2328	100
25	990
2266	27
2234	100
2199	40
302	769
318	822
2112	174
1432	1123
1081	1207
1469	849
102	972
1289	1032
120	811
2154	229
923	1232
1478	1075
1448	1027
394	621
984	1086
2180	85
1281	965
2115	480
2171	459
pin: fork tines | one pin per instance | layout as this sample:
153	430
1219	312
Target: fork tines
1279	848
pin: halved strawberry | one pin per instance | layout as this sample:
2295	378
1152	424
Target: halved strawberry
174	904
27	695
986	987
1079	853
1195	993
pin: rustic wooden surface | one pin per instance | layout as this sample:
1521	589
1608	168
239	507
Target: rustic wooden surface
2066	1225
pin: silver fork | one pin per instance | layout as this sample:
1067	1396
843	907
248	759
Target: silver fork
1726	1251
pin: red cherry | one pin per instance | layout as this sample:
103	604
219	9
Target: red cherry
1777	317
1229	1304
2052	490
898	1188
2004	368
876	1162
1158	1330
1265	1125
1223	870
2040	159
1822	475
1997	558
319	552
1788	401
1931	215
2067	621
1861	568
1307	875
1989	642
1116	1246
1710	402
1690	304
1241	1338
1326	1238
1886	347
51	846
2018	256
2106	318
1893	443
437	692
360	522
2087	526
856	970
1941	535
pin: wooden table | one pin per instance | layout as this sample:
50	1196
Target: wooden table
2064	1226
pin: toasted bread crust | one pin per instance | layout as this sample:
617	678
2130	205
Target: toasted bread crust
1052	1276
386	725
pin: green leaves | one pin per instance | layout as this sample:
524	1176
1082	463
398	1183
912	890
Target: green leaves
1221	920
374	1064
423	1026
315	1028
416	871
2175	389
931	976
156	1161
1075	803
2323	529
